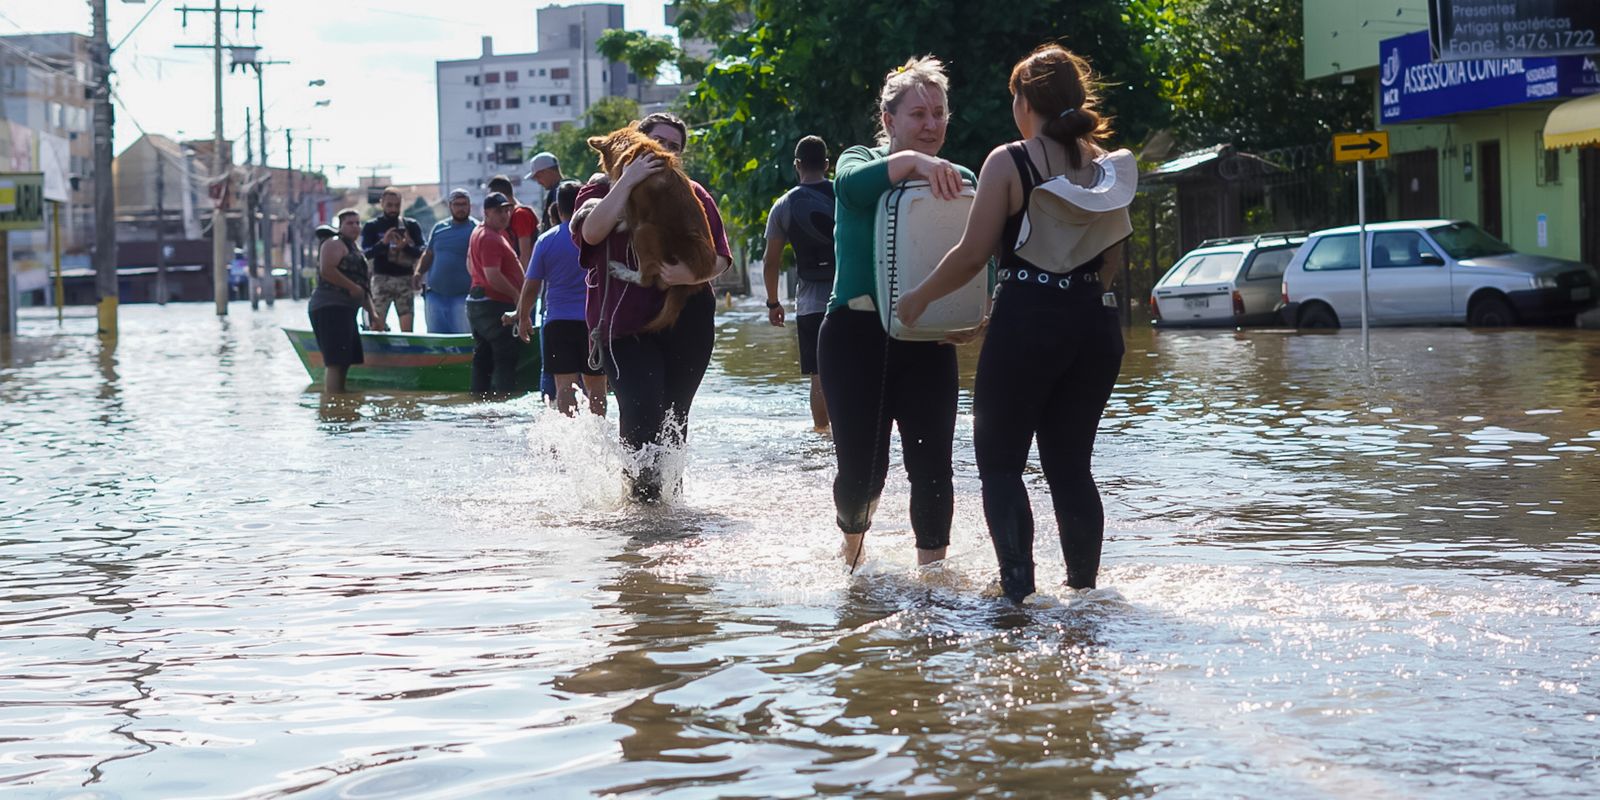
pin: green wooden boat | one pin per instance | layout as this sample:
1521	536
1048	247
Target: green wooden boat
430	362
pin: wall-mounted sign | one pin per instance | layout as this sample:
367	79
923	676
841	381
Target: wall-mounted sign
1413	86
21	201
1471	29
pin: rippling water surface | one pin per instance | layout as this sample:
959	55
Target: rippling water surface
1322	580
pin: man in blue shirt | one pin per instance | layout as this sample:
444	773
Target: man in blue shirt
443	268
554	268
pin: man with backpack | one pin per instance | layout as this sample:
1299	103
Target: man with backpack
803	219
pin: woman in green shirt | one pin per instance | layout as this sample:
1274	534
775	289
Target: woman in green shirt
871	382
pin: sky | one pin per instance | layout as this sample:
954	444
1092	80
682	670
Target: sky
377	57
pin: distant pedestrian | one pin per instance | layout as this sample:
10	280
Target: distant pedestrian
524	225
556	273
340	294
496	284
442	272
803	218
392	245
544	169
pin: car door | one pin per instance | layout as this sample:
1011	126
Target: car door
1331	273
1199	291
1409	283
1260	283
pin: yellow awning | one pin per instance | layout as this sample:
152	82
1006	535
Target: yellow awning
1574	123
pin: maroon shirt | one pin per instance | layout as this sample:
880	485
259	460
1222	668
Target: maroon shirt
629	306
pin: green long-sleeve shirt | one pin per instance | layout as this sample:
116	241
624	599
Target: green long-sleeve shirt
859	182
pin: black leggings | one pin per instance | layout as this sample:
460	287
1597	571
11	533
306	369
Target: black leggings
920	378
1047	367
494	359
655	376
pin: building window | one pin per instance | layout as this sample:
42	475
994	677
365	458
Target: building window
541	72
532	99
574	37
1546	163
472	131
469	105
514	129
561	100
491	130
560	73
472	79
533	73
556	126
513	102
544	98
492	77
511	76
492	104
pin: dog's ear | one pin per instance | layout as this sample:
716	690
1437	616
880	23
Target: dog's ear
597	144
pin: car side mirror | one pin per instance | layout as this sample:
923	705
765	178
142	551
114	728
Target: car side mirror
1430	260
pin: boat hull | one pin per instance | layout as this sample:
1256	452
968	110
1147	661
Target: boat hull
435	362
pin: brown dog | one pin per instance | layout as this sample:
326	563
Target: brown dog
664	217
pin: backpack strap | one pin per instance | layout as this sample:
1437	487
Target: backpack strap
1025	168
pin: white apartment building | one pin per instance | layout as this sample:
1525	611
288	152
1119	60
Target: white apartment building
491	107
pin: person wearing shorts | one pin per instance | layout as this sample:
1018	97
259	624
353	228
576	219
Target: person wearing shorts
338	299
555	271
392	245
803	219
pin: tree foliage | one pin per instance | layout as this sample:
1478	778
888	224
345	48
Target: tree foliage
787	68
644	54
571	144
1232	71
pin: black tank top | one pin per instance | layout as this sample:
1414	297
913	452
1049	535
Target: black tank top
1013	229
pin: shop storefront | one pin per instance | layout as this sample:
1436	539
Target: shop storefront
1468	139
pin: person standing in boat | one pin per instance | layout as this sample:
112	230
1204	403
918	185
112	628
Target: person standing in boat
872	382
442	271
340	294
1055	205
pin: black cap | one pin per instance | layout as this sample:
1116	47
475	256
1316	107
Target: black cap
495	200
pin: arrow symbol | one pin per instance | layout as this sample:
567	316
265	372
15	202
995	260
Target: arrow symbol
1370	145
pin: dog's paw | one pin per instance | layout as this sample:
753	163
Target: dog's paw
622	272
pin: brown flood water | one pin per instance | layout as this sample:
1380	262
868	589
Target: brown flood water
1322	579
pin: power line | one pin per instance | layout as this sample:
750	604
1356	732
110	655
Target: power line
129	34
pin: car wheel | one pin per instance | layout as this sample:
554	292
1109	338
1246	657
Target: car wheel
1490	311
1318	317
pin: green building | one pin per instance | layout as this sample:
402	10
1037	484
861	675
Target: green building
1466	138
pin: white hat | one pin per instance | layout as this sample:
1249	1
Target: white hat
541	161
1066	225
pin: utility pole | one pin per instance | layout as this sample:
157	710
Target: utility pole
251	203
219	169
161	227
105	204
264	205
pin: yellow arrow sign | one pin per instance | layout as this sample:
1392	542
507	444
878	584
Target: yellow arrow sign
1361	146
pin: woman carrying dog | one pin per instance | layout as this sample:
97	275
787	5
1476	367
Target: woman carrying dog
654	374
1054	346
872	382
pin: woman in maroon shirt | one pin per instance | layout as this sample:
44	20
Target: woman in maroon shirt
655	375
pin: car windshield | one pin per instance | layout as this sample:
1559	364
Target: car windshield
1204	268
1464	240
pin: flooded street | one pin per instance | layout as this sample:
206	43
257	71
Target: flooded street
1320	580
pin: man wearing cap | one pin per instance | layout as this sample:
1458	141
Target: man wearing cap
442	271
545	170
524	227
496	276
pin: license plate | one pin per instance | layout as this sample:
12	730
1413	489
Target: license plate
1194	303
1581	293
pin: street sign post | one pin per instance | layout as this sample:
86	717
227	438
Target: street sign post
1361	148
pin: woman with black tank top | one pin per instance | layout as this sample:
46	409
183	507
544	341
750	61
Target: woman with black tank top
1053	349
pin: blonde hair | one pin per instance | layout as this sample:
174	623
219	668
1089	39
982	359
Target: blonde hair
918	71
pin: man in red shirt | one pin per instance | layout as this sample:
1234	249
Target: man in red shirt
524	225
496	276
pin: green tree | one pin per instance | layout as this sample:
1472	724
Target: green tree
787	68
644	54
571	144
1233	73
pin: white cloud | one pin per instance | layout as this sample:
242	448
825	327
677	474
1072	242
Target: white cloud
377	57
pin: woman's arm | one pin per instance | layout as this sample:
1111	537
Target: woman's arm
985	223
603	219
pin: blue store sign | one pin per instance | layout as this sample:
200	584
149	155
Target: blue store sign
1415	87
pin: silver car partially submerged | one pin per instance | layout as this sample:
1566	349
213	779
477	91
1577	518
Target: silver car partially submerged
1225	282
1430	272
